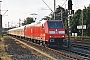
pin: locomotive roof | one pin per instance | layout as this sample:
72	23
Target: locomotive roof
34	23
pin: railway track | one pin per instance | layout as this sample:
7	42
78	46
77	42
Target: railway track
51	53
81	46
78	49
17	51
81	41
77	52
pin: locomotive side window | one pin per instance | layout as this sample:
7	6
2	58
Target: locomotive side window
55	24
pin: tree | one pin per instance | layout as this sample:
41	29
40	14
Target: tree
88	20
60	11
28	20
75	20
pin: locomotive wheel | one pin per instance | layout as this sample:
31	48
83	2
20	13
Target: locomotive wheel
32	40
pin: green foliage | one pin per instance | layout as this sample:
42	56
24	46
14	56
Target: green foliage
77	20
28	20
60	10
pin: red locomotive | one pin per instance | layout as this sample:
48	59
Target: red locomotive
46	32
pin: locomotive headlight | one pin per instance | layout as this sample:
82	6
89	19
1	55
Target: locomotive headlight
50	36
62	36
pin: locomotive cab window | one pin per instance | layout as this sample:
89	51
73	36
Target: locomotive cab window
55	24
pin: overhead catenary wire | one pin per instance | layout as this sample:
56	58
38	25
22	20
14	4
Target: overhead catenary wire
54	6
47	5
5	12
64	3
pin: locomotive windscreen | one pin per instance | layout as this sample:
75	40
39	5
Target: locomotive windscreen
55	24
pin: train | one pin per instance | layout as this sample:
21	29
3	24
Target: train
46	32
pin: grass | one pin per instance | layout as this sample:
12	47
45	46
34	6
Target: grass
3	54
88	37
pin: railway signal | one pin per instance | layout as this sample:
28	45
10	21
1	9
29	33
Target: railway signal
70	4
70	12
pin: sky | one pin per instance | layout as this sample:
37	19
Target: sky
21	9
